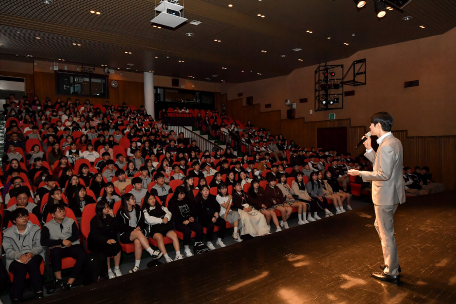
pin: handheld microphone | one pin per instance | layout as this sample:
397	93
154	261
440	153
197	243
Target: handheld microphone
365	137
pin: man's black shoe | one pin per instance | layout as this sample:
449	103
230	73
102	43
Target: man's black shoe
382	267
381	276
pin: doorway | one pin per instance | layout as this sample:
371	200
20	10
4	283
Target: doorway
332	139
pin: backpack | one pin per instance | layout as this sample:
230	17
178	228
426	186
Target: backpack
199	248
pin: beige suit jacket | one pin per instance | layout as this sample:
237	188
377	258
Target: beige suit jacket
386	177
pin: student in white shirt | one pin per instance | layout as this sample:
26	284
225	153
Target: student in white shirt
224	200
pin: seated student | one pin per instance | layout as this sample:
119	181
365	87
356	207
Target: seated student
145	177
244	179
330	195
110	195
160	189
157	220
22	196
90	154
292	200
183	214
230	179
207	211
24	254
299	188
137	159
306	170
122	181
266	207
275	195
96	184
49	185
237	168
335	186
55	198
412	183
130	218
131	170
207	170
196	171
73	154
107	148
79	200
103	162
338	173
63	164
216	180
177	173
121	162
274	173
13	154
224	200
85	174
295	171
102	238
252	222
315	190
37	167
110	171
426	175
225	168
34	154
61	235
138	191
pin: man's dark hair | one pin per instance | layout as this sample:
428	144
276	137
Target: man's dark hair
56	207
159	175
417	168
19	212
119	172
385	119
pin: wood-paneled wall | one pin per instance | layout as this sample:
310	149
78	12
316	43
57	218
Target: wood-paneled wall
436	152
130	92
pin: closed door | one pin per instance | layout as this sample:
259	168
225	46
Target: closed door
332	139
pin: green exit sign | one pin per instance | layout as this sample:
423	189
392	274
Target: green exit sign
332	116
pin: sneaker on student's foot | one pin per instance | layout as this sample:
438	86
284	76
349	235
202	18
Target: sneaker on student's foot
349	208
317	217
188	253
135	269
338	211
237	237
310	218
210	245
278	229
117	272
111	274
300	222
342	210
178	257
281	224
157	254
168	259
220	243
285	225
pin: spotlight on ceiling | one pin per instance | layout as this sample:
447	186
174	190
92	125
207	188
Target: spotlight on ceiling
380	8
360	3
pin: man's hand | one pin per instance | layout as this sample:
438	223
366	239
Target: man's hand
368	143
24	259
29	255
111	241
67	243
353	172
165	220
214	219
185	222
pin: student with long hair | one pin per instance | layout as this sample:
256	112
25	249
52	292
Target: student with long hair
329	194
130	217
184	217
102	238
97	184
85	174
79	200
299	188
275	195
208	212
266	207
55	198
63	163
189	187
72	186
110	195
233	217
131	170
157	220
315	190
291	199
338	190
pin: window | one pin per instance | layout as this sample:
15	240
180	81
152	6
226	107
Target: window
81	84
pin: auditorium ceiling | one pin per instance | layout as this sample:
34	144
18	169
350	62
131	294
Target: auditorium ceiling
231	44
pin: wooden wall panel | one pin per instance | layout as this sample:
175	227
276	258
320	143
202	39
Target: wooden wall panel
436	152
130	92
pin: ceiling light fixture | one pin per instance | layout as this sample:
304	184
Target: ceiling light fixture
297	49
263	51
156	57
300	59
407	18
98	13
230	5
92	12
262	16
283	56
360	3
195	22
47	1
79	44
259	15
38	38
345	43
329	38
129	53
242	71
189	34
422	26
380	9
223	68
310	32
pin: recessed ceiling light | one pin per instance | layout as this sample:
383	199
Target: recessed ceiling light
310	32
263	51
47	1
345	43
283	56
223	68
230	5
156	57
242	71
92	12
300	59
259	74
195	22
29	55
389	8
262	16
297	49
407	18
79	44
159	27
329	38
130	64
74	43
189	34
259	15
128	68
129	53
38	38
98	13
222	80
422	26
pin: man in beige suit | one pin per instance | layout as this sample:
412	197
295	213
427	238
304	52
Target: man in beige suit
387	190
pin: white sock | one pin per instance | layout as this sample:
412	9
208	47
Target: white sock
300	217
137	262
116	268
208	242
109	269
235	229
338	208
187	247
166	255
150	251
219	240
178	253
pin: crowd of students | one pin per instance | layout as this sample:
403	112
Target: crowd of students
145	182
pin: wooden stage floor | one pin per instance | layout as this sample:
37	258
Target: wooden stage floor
329	261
